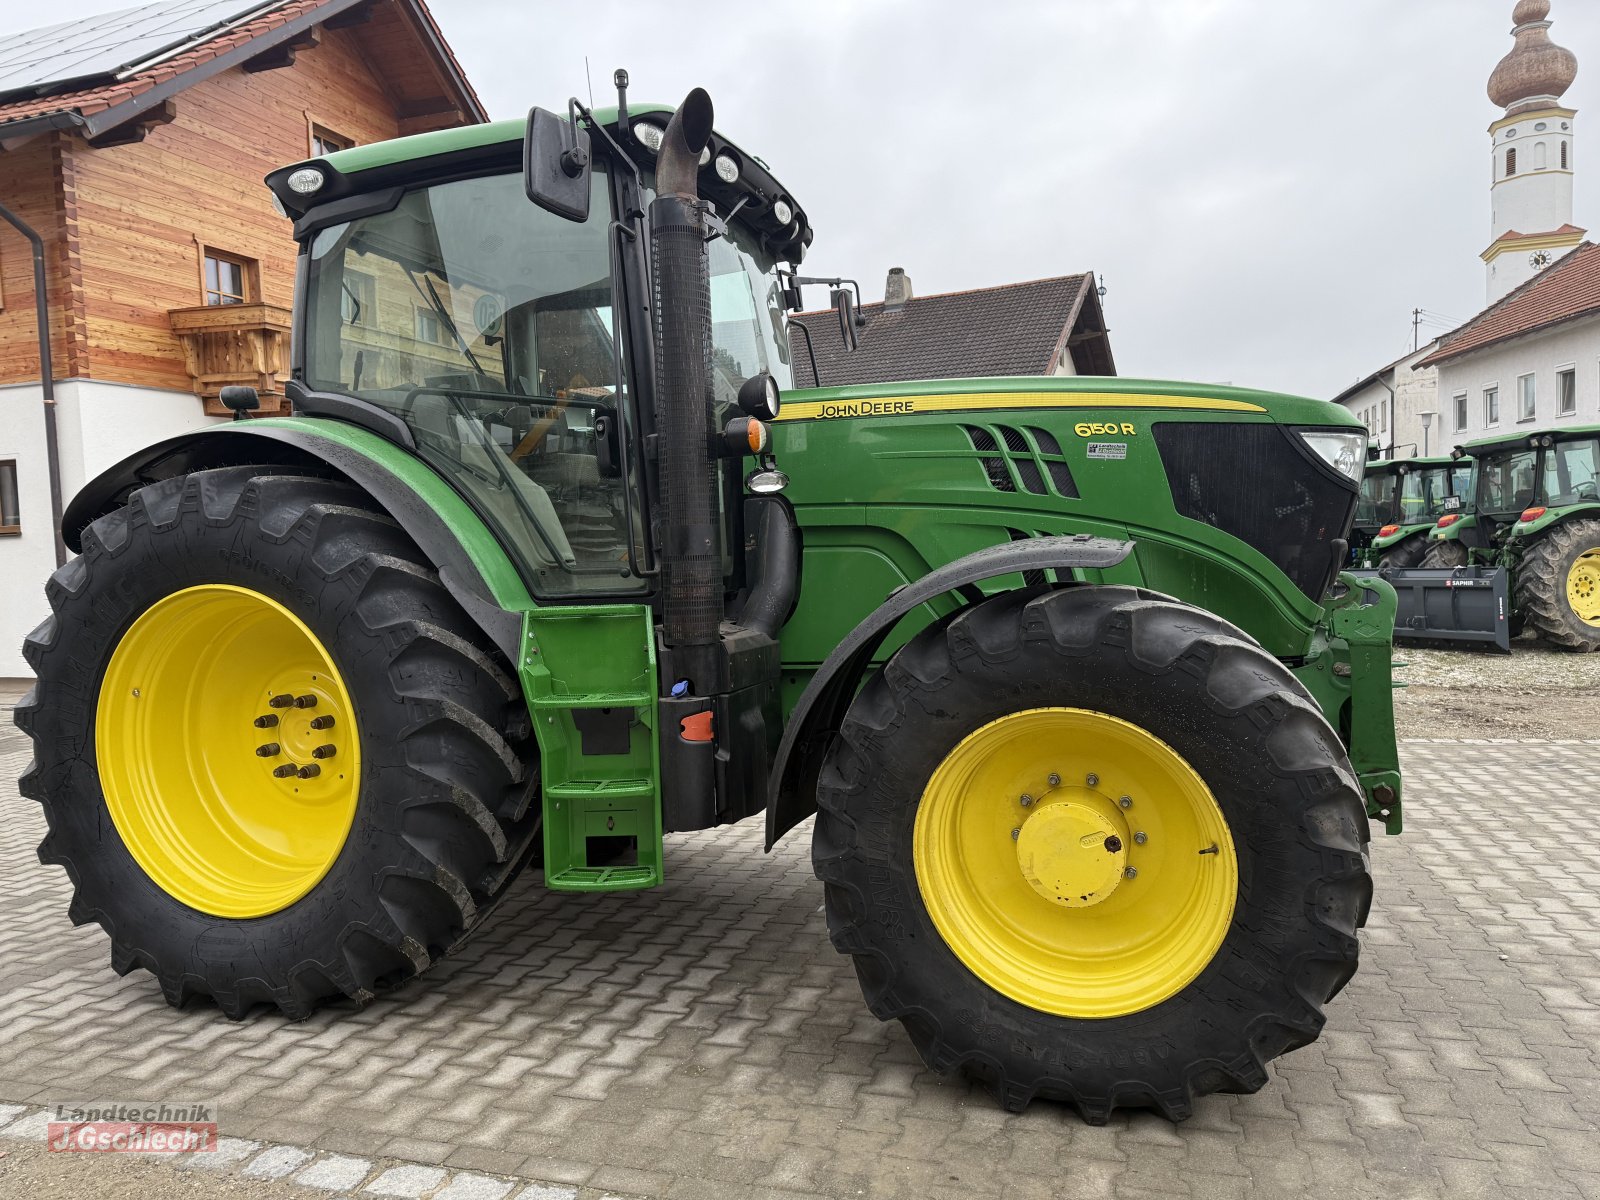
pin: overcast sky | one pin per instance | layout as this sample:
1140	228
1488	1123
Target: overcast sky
1268	187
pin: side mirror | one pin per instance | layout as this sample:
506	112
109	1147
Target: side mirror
844	305
555	165
239	399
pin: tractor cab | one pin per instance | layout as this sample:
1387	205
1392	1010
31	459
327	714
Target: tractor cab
1523	483
1401	499
512	344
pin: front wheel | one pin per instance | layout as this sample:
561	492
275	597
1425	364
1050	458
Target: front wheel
1093	845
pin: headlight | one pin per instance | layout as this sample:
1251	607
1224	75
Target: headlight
727	169
305	181
1341	451
651	135
759	396
782	211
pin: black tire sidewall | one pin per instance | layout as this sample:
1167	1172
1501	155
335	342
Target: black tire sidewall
155	563
1256	967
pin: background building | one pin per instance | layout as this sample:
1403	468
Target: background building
135	144
1042	327
1532	359
1533	152
1393	400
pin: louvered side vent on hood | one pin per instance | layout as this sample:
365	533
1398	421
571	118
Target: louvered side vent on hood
1031	461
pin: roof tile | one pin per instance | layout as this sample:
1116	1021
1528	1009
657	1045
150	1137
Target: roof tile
1567	289
1012	329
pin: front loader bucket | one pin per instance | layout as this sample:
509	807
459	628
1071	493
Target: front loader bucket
1464	605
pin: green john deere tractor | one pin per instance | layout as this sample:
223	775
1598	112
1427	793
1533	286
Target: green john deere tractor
1534	509
1401	499
537	570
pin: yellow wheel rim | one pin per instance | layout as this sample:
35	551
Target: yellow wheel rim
1075	862
227	750
1583	587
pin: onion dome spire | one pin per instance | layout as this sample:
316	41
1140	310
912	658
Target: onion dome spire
1537	71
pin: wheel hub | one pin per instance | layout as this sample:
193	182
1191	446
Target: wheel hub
1073	852
1583	586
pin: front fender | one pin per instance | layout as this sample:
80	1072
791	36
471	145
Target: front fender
791	796
455	540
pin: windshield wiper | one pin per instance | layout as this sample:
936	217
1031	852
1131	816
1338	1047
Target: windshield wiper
435	303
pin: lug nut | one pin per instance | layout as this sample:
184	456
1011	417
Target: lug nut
324	752
1015	834
1140	839
306	701
310	771
1130	872
269	750
323	722
1055	780
1125	802
1113	844
284	700
266	721
285	771
1026	799
1093	780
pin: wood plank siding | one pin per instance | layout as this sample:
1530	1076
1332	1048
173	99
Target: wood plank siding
128	225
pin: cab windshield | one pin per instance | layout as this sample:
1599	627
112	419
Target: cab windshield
489	326
1377	500
1571	473
1508	482
1430	492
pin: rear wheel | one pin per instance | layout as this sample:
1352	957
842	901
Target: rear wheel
1404	555
1558	585
1444	556
1093	845
277	761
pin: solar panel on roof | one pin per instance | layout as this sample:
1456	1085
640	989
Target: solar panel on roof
103	45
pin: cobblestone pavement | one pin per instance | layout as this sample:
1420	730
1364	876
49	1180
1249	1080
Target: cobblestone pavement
705	1041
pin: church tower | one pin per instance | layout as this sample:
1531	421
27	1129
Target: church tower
1533	152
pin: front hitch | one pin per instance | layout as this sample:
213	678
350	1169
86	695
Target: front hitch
1362	616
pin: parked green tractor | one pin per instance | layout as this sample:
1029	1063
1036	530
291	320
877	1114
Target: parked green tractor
1535	511
543	566
1401	500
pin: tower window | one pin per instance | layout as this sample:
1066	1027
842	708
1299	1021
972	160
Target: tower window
1511	162
1564	156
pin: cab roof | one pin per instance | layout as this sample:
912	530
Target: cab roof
1523	438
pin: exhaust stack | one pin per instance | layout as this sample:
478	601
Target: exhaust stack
690	534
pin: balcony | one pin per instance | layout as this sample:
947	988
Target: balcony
227	344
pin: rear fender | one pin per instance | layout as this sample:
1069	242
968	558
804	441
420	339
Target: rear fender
816	717
455	540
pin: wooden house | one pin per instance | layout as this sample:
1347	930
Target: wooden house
135	143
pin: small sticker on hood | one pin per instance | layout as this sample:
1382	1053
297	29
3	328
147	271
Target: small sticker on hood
1116	450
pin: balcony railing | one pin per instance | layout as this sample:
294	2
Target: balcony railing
235	344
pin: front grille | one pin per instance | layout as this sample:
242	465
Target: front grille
1261	484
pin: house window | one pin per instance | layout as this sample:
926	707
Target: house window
1511	162
1383	419
325	141
1567	391
428	327
1491	406
1526	398
10	510
1461	411
229	279
359	300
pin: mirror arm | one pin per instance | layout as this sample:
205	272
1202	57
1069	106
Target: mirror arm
816	377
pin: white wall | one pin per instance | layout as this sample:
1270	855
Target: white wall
1537	198
1397	426
1576	344
98	424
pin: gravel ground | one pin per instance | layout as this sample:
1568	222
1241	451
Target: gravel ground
1535	692
35	1173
